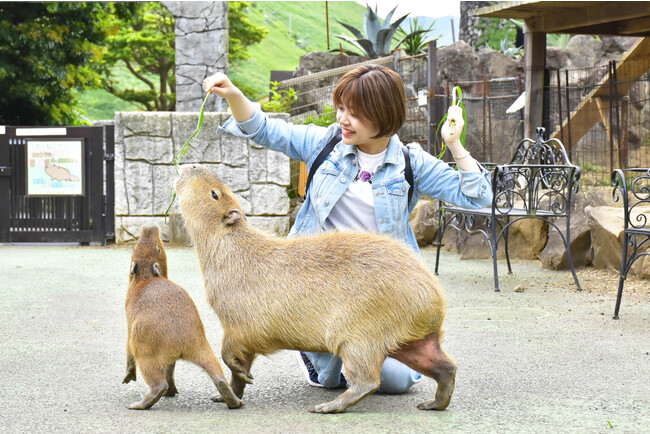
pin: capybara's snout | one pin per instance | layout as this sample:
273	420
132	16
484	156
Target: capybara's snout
149	258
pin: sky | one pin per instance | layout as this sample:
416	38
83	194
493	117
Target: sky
424	8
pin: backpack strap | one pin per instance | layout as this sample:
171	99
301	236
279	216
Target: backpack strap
321	157
408	172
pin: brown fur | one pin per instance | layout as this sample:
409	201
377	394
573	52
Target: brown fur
359	295
164	326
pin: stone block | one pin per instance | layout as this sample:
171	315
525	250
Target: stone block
153	149
269	199
277	167
163	186
527	238
234	152
236	178
127	229
206	146
121	202
273	225
139	188
257	164
144	123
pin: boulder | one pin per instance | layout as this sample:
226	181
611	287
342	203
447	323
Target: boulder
424	221
527	238
606	225
554	255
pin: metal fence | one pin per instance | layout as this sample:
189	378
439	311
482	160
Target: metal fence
602	116
599	113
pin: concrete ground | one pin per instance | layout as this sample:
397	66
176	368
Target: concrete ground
548	359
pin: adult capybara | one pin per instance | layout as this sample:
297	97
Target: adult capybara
164	326
359	295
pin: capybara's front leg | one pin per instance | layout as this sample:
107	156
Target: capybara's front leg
363	379
130	368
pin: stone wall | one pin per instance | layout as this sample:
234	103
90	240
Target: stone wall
145	146
201	50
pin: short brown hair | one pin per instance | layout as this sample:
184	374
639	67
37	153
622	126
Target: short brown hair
376	94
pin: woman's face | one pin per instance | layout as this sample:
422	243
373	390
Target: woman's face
355	131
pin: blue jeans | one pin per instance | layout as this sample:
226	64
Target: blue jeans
396	377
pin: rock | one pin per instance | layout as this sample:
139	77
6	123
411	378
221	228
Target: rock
584	51
527	238
554	255
424	221
606	225
520	288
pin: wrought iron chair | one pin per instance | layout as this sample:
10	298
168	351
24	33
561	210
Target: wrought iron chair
634	190
538	183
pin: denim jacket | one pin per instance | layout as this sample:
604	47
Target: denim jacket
431	176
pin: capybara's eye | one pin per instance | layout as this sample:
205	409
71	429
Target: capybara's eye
214	195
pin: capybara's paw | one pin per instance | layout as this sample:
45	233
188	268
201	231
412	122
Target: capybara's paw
244	377
171	391
228	396
327	407
137	406
130	376
434	405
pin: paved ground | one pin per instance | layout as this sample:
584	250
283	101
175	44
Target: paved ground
548	359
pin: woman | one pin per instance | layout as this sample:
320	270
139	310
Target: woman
361	185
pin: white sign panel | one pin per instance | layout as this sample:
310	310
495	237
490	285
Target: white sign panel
54	167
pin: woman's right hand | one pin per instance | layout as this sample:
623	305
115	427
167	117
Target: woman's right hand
220	84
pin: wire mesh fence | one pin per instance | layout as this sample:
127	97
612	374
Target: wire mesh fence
602	116
599	113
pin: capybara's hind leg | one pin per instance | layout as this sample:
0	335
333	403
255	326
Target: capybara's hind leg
171	385
154	376
130	367
210	363
427	356
362	375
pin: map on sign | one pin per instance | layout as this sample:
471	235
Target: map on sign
54	167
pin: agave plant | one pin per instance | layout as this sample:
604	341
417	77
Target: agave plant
415	41
378	34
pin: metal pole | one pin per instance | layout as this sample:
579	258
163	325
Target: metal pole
432	83
327	25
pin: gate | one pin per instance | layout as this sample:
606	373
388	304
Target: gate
52	184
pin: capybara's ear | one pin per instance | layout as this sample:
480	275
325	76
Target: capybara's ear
156	270
134	267
233	216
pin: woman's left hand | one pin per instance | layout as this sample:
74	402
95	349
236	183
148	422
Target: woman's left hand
455	115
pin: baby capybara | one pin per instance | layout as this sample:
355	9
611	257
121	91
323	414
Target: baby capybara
164	326
362	296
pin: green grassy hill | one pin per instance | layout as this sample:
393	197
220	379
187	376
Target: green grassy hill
295	28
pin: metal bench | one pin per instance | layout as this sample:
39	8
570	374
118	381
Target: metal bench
633	187
538	183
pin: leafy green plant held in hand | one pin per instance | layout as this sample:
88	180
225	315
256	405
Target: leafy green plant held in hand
280	100
185	148
455	101
378	35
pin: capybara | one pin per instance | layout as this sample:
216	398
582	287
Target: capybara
164	326
361	296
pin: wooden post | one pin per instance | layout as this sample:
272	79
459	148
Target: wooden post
535	61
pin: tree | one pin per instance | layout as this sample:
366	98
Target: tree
44	53
141	36
241	32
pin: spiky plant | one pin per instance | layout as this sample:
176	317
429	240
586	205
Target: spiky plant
378	35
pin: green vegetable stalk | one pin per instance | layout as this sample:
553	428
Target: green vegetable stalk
184	149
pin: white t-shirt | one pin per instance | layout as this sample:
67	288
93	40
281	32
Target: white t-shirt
355	209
